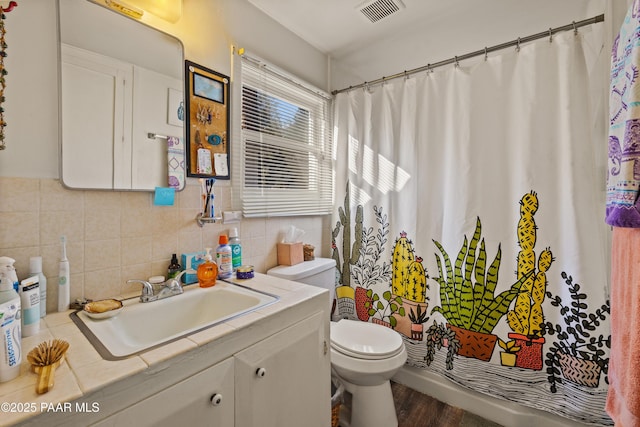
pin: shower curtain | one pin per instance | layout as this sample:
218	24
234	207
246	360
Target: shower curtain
469	218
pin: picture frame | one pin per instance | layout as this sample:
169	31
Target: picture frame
206	122
175	109
207	88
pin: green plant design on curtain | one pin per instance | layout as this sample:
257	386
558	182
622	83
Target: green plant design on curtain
350	253
580	352
384	311
468	305
438	336
367	270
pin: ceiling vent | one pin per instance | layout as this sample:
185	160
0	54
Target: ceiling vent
375	10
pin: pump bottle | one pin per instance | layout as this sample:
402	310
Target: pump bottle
6	265
207	271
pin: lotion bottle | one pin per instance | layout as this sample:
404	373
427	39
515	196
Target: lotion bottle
207	271
63	279
30	302
35	269
10	328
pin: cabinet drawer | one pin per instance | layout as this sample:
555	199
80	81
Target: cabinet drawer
188	403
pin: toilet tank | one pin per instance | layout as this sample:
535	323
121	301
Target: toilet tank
319	272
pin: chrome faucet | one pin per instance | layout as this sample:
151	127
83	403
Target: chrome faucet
157	291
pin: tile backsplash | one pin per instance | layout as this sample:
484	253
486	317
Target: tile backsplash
116	236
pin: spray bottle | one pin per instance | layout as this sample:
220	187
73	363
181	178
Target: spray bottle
6	265
10	328
224	258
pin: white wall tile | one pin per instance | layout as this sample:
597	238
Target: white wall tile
116	236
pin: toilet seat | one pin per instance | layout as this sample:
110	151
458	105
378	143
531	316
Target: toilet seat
364	340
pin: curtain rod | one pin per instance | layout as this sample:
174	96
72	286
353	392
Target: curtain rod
456	59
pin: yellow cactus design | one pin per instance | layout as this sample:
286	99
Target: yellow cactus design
527	315
402	259
409	279
416	288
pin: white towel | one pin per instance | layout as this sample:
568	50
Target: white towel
175	150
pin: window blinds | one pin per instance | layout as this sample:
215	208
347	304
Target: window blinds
286	144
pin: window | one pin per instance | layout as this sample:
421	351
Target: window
286	164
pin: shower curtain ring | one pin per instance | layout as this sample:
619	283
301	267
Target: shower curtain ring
575	29
457	64
518	45
550	36
486	55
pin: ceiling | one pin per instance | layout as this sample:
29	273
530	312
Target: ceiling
338	27
334	26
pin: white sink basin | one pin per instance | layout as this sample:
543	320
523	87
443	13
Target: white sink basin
141	326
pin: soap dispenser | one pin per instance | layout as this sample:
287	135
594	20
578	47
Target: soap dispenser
207	271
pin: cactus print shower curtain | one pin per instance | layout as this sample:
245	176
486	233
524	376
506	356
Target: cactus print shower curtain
469	218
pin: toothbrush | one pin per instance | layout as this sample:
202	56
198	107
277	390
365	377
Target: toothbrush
203	193
209	200
63	278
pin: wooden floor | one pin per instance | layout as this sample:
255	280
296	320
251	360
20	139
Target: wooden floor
415	409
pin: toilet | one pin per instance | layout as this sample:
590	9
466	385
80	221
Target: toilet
363	355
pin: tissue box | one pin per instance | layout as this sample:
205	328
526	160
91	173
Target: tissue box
290	253
192	260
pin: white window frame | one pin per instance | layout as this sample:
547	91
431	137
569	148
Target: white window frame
310	189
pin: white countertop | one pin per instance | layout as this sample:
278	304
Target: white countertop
84	371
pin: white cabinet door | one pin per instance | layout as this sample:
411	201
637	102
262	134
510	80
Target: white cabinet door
149	167
96	144
205	399
284	380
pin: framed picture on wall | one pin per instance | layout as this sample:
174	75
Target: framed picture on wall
207	122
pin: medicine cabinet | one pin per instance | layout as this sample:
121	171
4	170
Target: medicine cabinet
121	98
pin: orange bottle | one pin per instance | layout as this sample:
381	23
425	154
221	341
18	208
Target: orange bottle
207	271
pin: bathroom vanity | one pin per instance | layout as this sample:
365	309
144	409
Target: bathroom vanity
270	367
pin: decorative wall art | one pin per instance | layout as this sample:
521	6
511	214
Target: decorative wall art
175	110
207	122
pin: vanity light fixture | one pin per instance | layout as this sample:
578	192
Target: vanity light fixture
169	10
122	8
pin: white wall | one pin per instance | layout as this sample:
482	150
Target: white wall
467	27
115	236
207	29
31	105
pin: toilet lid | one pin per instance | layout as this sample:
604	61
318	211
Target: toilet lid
364	340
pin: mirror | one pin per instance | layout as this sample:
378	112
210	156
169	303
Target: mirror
121	99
